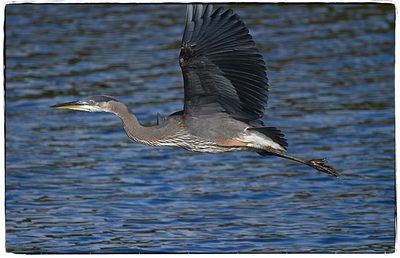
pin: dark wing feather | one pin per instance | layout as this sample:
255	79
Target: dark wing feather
222	69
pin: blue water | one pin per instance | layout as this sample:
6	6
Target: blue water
75	183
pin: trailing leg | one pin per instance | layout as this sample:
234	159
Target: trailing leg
318	164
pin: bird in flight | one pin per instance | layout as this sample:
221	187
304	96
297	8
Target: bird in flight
225	94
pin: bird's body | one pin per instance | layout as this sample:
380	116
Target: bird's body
178	131
225	94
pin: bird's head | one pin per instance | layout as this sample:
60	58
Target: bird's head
98	103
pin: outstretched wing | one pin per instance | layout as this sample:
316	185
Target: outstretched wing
222	69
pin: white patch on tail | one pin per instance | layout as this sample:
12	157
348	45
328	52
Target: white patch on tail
259	141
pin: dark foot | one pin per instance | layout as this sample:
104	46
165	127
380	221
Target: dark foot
321	165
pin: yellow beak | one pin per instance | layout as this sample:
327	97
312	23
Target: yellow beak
75	105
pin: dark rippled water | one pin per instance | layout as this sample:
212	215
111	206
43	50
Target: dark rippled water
75	183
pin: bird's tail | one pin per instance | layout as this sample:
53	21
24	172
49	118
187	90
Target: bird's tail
318	164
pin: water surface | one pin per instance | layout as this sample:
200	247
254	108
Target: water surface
75	183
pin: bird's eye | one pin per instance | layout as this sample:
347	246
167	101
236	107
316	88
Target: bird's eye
91	102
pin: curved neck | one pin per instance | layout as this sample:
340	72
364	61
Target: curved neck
150	135
127	117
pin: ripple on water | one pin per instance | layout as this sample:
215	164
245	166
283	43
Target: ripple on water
75	183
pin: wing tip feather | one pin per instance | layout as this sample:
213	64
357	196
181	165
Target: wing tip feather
221	36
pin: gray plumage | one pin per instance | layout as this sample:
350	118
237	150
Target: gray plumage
225	94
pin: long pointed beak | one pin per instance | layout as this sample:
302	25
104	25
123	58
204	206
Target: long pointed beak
81	105
69	105
76	105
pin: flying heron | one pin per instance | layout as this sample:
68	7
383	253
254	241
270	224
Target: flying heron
225	94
